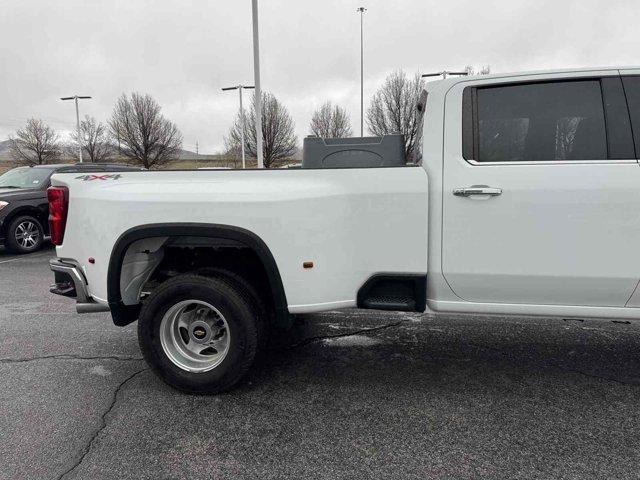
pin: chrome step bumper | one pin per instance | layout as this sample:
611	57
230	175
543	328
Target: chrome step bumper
70	282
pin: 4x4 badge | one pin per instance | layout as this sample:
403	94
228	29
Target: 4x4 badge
88	178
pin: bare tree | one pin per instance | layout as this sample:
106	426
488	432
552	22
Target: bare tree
484	70
565	136
35	144
94	140
278	131
330	122
394	109
143	135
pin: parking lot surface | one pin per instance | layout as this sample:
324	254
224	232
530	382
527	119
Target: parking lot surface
348	394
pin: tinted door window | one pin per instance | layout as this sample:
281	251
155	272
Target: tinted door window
541	122
632	91
619	135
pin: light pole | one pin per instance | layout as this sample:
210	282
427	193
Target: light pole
256	81
76	98
242	124
361	10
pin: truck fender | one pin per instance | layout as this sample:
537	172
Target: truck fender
124	314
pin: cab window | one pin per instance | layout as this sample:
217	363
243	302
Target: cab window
547	121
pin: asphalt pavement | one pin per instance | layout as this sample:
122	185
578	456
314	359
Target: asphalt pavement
348	394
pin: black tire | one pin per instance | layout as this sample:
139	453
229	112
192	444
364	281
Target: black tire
14	245
263	315
238	313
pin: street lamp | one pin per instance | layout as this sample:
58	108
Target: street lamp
361	10
256	81
76	98
242	124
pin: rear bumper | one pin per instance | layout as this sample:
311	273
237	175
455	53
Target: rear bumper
70	282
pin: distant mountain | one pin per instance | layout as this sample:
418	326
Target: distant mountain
187	154
4	151
4	146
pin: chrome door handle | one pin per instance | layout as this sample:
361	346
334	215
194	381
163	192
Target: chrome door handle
467	192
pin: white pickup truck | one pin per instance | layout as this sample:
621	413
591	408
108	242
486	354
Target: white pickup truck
525	199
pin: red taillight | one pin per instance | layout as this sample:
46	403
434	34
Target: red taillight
58	207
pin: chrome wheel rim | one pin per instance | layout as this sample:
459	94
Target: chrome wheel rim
195	336
27	234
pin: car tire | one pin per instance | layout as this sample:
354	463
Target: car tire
24	235
263	316
199	334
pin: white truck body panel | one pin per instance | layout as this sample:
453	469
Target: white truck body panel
605	280
351	223
561	233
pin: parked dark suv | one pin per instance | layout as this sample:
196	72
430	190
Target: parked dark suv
24	206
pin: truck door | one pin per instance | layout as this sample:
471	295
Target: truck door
541	192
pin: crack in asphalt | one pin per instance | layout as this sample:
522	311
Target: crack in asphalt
318	338
601	377
69	357
559	366
103	424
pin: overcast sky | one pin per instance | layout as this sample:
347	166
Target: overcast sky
183	51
